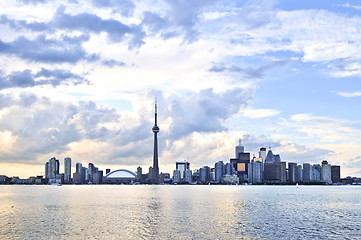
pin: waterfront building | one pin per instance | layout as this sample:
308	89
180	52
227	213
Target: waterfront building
67	170
275	172
188	176
255	171
176	176
46	171
98	177
292	172
77	178
139	174
219	170
326	172
299	173
84	175
78	167
230	179
164	178
57	166
205	174
242	166
182	167
53	165
316	173
335	174
307	172
229	170
90	173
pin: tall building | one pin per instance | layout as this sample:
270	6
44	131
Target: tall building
326	172
205	173
219	170
188	176
139	173
307	172
182	167
275	172
335	174
67	170
78	167
263	153
299	173
47	171
91	171
229	170
242	166
176	176
255	172
155	129
53	168
272	157
316	172
239	149
292	172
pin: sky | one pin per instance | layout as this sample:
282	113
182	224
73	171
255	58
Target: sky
79	78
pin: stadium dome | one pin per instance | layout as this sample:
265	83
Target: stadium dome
120	176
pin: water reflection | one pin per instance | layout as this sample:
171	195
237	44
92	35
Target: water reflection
179	212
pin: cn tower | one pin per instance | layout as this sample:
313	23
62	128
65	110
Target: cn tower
155	154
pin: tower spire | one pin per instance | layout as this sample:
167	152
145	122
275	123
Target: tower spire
155	129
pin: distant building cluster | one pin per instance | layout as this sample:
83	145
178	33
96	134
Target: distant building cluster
267	168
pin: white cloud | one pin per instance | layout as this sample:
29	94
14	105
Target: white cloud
259	113
348	94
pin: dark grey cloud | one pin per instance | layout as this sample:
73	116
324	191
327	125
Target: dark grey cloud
248	72
43	49
25	79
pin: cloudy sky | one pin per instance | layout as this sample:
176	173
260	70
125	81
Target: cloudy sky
78	78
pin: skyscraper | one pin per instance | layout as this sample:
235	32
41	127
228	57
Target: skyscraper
263	153
292	172
219	170
155	175
335	174
67	169
326	172
239	149
182	167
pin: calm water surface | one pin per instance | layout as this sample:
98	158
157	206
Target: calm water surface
180	212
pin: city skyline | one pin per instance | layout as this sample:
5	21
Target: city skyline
78	79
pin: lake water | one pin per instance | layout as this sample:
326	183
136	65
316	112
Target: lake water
180	212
